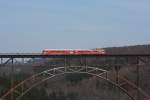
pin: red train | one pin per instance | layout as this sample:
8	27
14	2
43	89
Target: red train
97	51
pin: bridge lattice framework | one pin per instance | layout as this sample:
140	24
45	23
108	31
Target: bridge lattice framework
114	61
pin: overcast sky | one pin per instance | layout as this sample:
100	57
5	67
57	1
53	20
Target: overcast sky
33	25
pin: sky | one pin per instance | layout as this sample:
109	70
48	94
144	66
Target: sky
34	25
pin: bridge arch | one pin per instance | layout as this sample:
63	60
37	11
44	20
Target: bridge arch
41	77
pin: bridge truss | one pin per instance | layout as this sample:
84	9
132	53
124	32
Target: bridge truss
101	69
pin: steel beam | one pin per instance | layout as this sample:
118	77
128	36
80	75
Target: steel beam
39	55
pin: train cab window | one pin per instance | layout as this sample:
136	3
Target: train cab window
44	52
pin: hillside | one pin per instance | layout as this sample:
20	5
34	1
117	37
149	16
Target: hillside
137	49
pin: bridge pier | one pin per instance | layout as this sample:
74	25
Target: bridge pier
12	76
138	79
1	61
117	74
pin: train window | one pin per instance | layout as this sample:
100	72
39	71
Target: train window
44	52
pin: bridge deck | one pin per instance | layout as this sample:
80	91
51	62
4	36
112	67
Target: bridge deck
30	55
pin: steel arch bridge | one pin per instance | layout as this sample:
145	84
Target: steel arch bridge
18	91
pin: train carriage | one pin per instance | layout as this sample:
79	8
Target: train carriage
96	51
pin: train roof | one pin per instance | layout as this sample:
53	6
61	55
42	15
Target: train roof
69	49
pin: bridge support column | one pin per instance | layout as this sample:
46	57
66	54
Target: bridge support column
1	61
138	78
65	63
86	64
23	60
12	76
117	70
117	74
